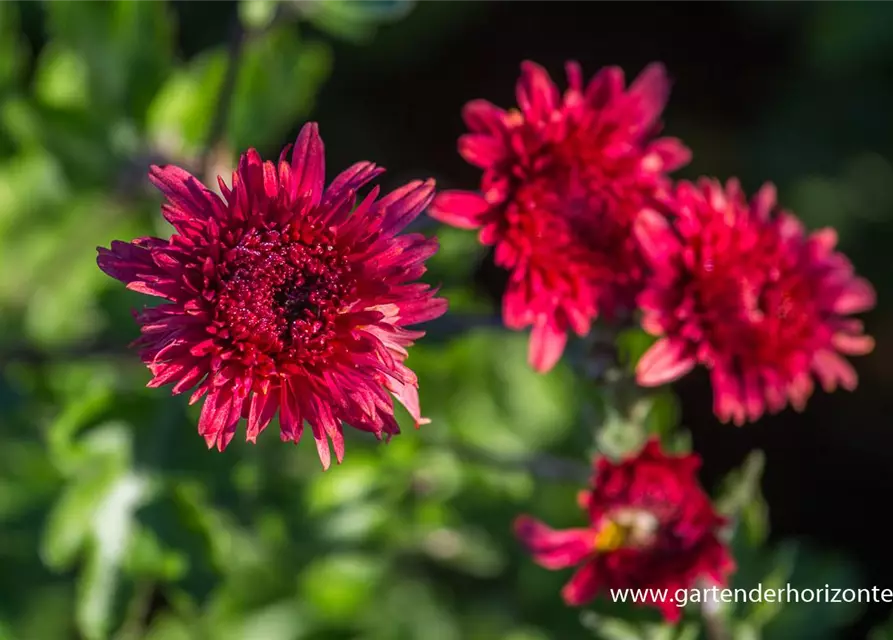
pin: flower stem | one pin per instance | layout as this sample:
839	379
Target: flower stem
714	626
617	429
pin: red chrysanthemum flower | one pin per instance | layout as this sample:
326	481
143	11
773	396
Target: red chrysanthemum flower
563	180
742	289
651	527
283	296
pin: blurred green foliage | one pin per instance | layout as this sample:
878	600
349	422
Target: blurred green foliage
115	522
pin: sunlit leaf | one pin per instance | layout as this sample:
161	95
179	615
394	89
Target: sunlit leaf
180	115
354	20
127	48
338	584
278	80
112	527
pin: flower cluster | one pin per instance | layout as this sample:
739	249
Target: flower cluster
284	296
576	199
651	527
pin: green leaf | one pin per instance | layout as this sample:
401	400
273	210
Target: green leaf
168	627
12	53
111	528
180	115
791	612
742	485
149	558
277	84
230	546
632	345
144	33
469	550
63	449
78	513
63	306
277	621
77	140
127	47
70	521
882	632
353	20
336	585
616	435
745	631
818	619
412	609
662	413
61	78
258	14
840	39
506	408
607	628
347	487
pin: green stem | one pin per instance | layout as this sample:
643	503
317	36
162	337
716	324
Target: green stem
617	429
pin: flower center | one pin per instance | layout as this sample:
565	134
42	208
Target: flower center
631	528
755	309
281	294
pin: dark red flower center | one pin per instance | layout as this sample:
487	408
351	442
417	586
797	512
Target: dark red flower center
280	294
565	203
753	308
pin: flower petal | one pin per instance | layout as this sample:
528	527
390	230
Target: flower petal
547	343
656	237
665	361
857	297
308	167
483	116
219	417
554	549
583	586
261	410
832	369
460	209
403	205
651	90
482	150
537	95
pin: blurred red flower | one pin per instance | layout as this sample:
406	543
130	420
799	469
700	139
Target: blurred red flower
744	290
563	179
281	296
651	526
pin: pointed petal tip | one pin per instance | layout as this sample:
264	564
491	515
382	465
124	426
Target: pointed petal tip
656	67
460	209
664	362
522	525
546	345
310	128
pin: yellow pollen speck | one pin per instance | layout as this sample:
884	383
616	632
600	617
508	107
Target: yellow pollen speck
610	536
